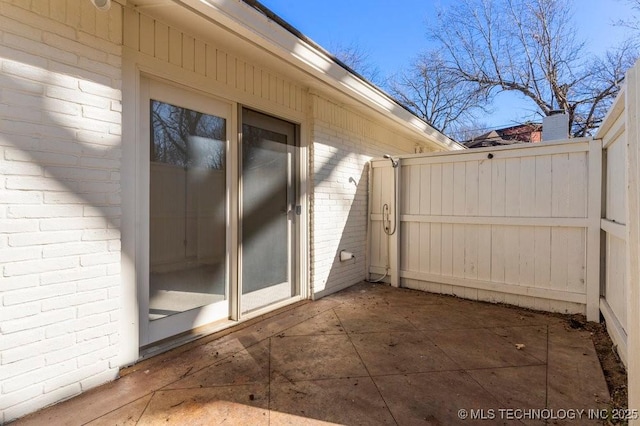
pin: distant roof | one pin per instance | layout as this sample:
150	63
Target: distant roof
520	133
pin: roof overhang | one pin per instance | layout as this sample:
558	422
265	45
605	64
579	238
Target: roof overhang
233	24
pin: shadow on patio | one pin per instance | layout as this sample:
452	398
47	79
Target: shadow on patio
370	354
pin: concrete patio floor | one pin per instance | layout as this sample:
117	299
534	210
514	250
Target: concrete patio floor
368	355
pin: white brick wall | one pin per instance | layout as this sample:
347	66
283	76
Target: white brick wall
60	118
343	142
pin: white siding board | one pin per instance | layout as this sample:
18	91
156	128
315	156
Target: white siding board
200	57
175	46
221	66
210	61
188	53
161	41
147	28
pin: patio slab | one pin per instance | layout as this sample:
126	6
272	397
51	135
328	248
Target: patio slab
370	354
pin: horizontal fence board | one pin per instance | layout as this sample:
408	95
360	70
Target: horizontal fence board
564	296
619	230
496	220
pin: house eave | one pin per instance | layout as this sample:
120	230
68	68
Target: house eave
256	28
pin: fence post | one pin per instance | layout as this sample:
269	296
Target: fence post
633	239
594	215
394	243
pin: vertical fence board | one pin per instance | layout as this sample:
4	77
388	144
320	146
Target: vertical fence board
512	187
543	186
447	254
542	261
484	188
426	247
484	252
442	189
435	250
459	190
527	256
498	188
471	188
512	255
497	257
471	251
458	251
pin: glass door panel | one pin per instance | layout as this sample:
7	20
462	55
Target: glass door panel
268	198
188	265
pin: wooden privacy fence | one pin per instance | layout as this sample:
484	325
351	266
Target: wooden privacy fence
519	225
614	285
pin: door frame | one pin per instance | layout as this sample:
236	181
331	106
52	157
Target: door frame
135	68
157	330
278	125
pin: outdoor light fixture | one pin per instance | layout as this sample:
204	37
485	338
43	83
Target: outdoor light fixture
102	4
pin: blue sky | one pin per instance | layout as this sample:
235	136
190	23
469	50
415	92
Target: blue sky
393	32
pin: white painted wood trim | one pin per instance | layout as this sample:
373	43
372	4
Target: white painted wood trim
616	130
129	322
618	230
614	112
543	293
615	330
503	152
632	118
395	239
594	211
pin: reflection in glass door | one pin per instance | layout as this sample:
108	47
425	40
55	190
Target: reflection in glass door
187	272
268	210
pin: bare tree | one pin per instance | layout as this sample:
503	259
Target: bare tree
443	99
469	130
357	58
529	46
633	20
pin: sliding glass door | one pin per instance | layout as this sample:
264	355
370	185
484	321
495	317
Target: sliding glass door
268	188
217	212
